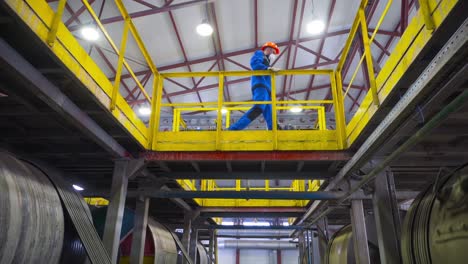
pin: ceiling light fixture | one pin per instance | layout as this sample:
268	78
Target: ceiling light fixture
78	188
295	109
90	33
204	29
315	27
144	111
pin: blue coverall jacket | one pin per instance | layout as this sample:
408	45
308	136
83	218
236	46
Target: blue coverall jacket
261	91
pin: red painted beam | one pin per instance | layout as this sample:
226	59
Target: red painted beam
148	12
381	47
298	34
385	32
291	35
353	52
219	50
314	53
246	155
322	42
238	64
143	83
179	40
237	256
234	53
145	3
404	15
256	23
278	256
77	14
114	71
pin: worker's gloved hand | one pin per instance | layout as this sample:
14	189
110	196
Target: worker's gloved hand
273	69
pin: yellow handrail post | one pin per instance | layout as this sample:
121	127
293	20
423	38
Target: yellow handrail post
178	121
118	73
302	185
174	119
274	122
338	102
136	36
426	12
368	55
228	118
55	23
219	119
322	118
238	185
267	185
203	185
156	109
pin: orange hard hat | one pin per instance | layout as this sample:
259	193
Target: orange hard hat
271	45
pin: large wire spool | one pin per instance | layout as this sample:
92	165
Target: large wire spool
31	215
165	249
202	256
340	249
436	227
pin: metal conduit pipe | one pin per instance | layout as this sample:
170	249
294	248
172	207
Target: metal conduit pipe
454	46
258	244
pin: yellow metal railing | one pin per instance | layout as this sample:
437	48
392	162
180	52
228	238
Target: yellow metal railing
47	25
225	140
178	121
211	185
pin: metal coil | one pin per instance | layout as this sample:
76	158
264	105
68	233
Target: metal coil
202	256
435	229
340	248
165	249
31	219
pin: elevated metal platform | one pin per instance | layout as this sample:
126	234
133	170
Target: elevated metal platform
47	27
181	155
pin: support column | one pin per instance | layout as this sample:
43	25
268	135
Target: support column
322	237
237	256
301	248
186	235
215	247
308	239
115	210
139	230
387	218
278	256
211	246
361	249
193	245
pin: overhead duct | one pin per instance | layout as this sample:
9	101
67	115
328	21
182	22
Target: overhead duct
258	244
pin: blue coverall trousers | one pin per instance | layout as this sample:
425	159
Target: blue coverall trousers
258	94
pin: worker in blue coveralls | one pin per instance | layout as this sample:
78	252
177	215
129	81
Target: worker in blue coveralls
261	87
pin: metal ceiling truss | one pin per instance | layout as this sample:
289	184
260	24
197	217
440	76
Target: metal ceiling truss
220	57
